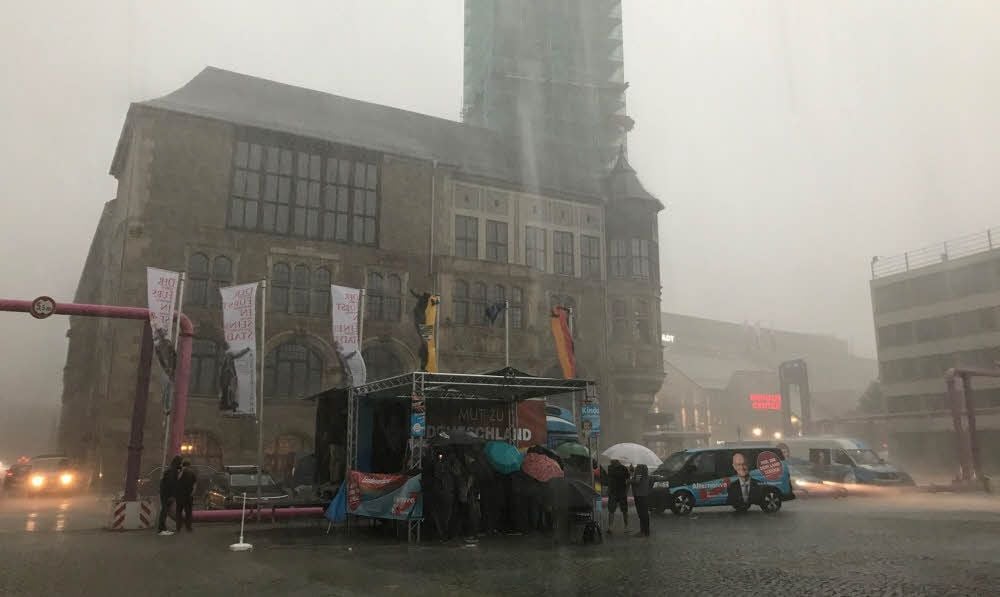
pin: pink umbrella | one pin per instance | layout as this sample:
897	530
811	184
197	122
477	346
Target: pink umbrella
541	467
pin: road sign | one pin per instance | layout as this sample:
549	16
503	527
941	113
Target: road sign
42	307
591	415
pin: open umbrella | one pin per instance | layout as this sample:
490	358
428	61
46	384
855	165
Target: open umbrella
546	451
570	494
541	467
632	454
569	449
503	457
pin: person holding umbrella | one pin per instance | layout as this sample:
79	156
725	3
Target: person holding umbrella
640	491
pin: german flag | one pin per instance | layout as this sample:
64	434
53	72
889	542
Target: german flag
564	341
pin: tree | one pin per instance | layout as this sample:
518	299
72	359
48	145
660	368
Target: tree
872	401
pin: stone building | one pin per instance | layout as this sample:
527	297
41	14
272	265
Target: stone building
236	179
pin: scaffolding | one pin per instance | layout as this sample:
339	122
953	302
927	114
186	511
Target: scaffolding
507	385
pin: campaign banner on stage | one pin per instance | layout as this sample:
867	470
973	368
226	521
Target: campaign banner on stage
380	495
238	379
345	304
489	420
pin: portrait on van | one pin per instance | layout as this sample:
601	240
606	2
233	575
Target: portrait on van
744	491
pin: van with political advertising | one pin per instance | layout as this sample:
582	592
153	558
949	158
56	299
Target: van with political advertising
737	476
845	460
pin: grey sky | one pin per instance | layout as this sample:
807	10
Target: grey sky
791	140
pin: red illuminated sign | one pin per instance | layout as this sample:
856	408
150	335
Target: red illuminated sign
765	401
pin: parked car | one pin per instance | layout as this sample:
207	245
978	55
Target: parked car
226	488
846	460
701	477
15	478
52	474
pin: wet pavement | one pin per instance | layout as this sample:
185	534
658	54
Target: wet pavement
889	545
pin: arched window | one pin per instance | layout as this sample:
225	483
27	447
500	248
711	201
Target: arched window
204	367
319	302
383	297
380	363
281	282
300	290
293	370
477	304
197	280
460	299
222	276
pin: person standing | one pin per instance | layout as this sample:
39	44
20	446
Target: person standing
617	493
186	481
640	491
168	491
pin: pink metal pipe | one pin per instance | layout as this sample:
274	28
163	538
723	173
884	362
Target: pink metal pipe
276	513
181	375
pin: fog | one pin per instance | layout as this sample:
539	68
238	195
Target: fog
791	141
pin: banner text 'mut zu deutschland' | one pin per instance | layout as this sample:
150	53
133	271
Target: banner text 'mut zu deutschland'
489	420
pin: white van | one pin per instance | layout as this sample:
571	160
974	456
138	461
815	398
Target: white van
845	460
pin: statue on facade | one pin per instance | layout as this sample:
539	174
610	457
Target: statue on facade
228	380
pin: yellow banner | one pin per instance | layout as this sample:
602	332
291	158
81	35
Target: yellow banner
430	319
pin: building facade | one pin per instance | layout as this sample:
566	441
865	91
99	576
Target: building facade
234	179
719	371
934	309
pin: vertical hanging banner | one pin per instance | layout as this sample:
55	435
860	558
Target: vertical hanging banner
564	341
161	292
345	305
425	318
238	377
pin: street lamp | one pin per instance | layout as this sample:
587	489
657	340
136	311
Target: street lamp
777	435
794	419
757	431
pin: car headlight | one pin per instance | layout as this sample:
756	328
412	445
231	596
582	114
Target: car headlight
661	485
37	480
799	482
66	478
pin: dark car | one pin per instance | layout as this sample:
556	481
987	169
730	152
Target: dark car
226	489
16	477
51	474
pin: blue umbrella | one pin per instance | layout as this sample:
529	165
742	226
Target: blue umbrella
503	457
559	425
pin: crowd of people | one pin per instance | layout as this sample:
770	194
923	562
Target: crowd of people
464	497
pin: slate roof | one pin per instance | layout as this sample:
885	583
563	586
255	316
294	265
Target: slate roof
251	101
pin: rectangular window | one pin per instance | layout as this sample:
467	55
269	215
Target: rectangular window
619	320
496	241
640	259
467	237
562	253
306	194
534	248
619	259
590	256
516	307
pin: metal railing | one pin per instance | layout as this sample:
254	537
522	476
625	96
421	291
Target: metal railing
971	244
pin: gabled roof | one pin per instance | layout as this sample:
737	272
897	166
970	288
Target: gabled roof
255	102
623	183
